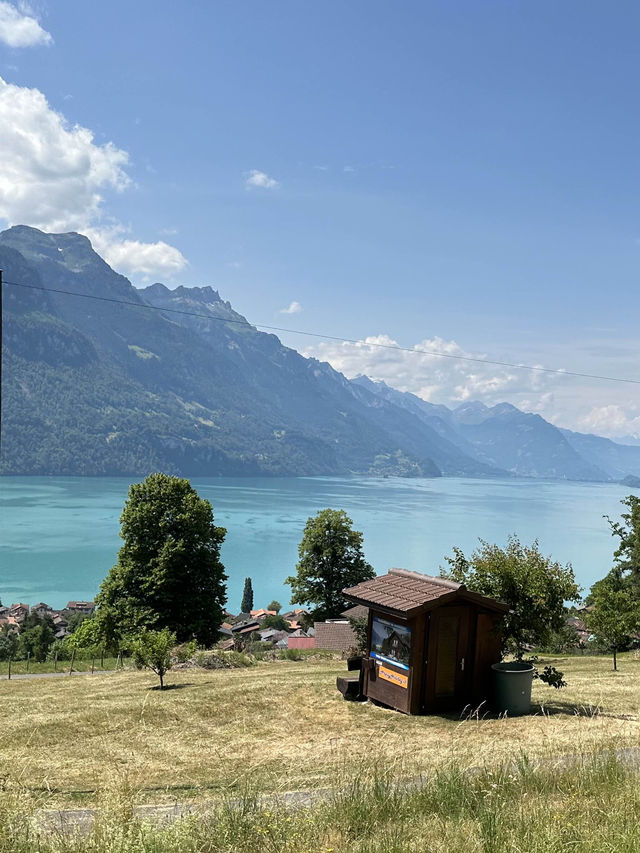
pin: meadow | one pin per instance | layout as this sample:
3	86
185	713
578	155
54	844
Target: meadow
278	727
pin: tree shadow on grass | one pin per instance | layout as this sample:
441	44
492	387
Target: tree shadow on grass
171	686
572	710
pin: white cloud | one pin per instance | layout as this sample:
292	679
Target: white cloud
612	420
135	258
566	401
53	176
433	370
294	308
255	178
18	29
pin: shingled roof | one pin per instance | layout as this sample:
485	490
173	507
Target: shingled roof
408	593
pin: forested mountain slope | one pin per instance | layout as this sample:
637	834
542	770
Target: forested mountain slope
93	387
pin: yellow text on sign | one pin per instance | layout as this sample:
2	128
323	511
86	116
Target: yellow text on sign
396	678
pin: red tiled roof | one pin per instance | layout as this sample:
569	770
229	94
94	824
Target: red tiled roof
408	592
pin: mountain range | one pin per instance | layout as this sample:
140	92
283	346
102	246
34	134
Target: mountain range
176	380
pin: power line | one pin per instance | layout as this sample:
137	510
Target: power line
397	347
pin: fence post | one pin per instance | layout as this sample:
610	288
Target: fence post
9	677
28	659
93	660
73	657
55	661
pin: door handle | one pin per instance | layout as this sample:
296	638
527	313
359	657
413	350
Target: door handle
462	665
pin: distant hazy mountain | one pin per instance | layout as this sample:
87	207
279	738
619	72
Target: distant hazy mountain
502	437
97	388
618	460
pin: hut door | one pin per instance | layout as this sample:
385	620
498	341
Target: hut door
451	655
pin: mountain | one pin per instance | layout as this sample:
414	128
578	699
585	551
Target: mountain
96	387
176	380
503	437
618	460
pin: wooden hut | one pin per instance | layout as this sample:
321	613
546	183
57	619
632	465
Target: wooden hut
431	642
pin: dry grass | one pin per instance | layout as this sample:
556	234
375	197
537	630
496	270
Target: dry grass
278	727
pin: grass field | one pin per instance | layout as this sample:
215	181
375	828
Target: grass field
22	667
278	727
519	809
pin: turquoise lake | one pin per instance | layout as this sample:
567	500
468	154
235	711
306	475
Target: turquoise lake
59	535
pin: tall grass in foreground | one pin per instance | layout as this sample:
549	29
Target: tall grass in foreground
591	807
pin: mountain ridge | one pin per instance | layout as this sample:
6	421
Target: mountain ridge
101	388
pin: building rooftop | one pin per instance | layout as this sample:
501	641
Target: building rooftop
408	593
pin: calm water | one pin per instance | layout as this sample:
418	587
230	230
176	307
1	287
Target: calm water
59	535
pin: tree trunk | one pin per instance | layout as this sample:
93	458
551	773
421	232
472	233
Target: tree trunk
615	661
161	681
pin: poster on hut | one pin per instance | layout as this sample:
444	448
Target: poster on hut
390	642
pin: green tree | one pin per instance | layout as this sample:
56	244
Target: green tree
360	627
274	605
8	643
277	622
534	586
331	559
35	642
152	649
169	573
627	554
87	636
246	605
614	616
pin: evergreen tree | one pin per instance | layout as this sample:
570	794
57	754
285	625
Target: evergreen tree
331	559
168	573
247	597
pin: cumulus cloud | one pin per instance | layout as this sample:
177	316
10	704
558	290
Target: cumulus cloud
136	258
294	308
429	371
261	180
20	29
53	176
435	370
612	420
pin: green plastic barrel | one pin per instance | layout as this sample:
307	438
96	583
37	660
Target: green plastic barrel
512	687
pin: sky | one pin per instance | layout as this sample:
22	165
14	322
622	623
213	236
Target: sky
449	177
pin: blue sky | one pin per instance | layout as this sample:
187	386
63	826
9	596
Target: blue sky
459	176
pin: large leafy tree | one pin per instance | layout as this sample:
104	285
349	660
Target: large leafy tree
534	586
169	573
614	601
614	614
330	559
627	554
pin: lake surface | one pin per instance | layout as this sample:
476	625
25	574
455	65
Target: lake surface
59	535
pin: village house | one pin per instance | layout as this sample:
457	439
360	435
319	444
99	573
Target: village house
11	622
261	613
19	612
86	607
60	626
42	610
